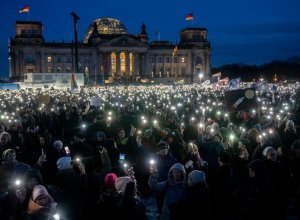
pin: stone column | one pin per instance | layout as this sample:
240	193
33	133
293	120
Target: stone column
143	60
98	61
21	65
108	65
127	63
147	66
189	67
136	64
163	60
118	64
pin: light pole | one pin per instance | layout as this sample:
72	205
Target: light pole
76	18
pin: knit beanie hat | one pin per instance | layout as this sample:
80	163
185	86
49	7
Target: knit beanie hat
63	163
289	123
110	180
101	134
266	150
196	176
162	145
121	183
6	152
245	142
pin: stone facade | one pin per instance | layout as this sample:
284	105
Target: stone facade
109	53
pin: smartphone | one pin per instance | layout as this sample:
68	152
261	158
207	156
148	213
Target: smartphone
67	150
121	156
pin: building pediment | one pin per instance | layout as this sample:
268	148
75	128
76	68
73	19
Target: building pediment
123	41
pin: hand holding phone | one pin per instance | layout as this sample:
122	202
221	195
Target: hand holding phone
121	157
67	150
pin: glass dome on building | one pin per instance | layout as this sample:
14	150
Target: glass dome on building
106	26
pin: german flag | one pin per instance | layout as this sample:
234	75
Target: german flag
218	74
25	9
189	17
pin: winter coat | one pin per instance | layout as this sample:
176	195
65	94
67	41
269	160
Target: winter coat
175	193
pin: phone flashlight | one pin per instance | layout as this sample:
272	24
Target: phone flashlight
152	162
18	182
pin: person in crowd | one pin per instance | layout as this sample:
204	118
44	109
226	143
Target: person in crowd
175	191
193	160
80	148
288	135
130	205
221	186
41	205
109	199
198	200
260	193
275	174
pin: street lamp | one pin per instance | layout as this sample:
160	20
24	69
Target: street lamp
200	76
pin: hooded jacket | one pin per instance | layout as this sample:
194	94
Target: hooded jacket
175	193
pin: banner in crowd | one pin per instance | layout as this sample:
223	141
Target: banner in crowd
261	86
240	99
234	83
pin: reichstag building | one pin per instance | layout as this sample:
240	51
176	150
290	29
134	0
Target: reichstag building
108	53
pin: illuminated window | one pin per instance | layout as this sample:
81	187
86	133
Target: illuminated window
86	70
123	63
113	63
49	59
168	72
160	72
182	60
131	63
152	72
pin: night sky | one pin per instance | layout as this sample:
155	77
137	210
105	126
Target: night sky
240	31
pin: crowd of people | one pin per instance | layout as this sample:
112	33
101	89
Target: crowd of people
148	152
